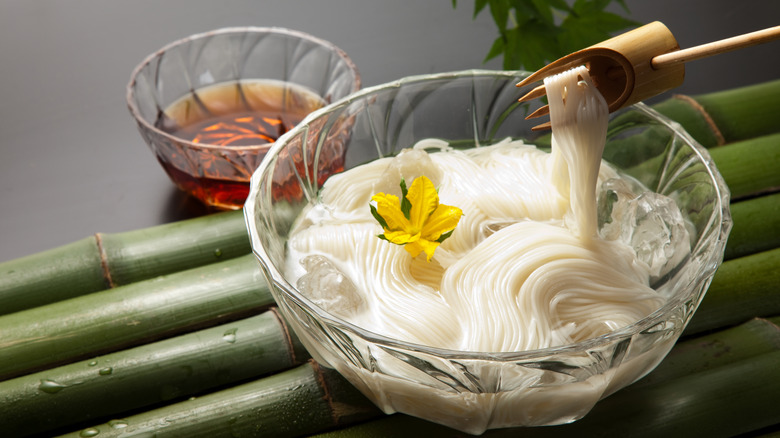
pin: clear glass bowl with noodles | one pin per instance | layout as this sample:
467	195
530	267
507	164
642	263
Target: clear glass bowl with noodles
475	391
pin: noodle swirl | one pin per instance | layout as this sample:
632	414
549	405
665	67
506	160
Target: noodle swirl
524	269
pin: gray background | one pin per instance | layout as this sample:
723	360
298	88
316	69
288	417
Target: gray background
72	162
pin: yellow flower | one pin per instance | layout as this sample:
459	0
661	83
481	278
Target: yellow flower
417	221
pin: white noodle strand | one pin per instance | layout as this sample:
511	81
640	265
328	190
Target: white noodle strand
523	270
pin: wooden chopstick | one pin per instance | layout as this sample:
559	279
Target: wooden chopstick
716	47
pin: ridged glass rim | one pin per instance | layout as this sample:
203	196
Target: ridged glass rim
721	213
130	93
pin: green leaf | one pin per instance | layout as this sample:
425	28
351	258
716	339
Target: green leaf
445	236
499	10
406	206
529	37
479	5
545	13
532	46
560	5
495	50
590	28
378	217
622	3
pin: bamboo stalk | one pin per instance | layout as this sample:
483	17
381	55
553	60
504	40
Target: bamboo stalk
750	167
756	226
727	116
169	370
301	401
724	401
107	260
119	318
740	113
722	348
742	288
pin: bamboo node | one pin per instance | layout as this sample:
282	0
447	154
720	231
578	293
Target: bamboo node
104	261
286	333
721	140
325	390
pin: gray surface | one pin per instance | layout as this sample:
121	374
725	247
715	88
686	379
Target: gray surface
72	162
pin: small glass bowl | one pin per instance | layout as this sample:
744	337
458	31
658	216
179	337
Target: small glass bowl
219	175
524	388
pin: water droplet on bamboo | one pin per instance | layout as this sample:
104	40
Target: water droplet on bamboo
117	424
230	335
106	371
217	253
92	363
50	386
89	432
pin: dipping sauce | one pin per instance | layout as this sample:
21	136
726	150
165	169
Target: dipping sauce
243	116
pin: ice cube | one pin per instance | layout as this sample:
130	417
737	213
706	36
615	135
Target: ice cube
407	165
650	223
328	287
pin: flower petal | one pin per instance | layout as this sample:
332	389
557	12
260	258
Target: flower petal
389	207
424	199
422	245
401	237
444	219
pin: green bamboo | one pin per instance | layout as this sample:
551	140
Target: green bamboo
163	371
750	167
742	288
111	320
305	400
739	114
722	348
78	268
724	401
769	432
756	226
744	112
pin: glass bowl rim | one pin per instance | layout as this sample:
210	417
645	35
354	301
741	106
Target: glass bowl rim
277	279
130	88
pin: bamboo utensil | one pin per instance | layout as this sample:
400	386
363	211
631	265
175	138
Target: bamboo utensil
638	64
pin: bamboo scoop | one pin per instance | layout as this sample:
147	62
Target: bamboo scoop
637	65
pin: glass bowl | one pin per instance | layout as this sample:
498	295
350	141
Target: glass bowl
200	71
474	391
